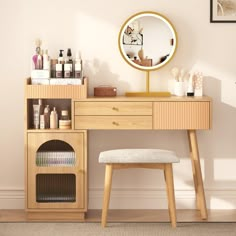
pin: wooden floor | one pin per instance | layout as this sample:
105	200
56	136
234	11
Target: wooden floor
133	216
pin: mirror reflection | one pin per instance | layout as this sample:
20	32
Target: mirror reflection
147	41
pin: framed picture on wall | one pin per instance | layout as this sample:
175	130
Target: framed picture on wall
222	11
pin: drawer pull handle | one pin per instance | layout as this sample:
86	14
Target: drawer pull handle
115	123
115	109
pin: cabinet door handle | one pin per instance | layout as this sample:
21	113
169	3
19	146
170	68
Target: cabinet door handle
115	108
115	123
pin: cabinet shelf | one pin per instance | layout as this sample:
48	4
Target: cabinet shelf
55	91
51	131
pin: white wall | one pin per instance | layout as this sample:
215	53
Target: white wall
93	27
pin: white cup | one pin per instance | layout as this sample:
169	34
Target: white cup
179	88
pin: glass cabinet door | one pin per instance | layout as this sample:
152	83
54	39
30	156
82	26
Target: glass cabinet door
56	176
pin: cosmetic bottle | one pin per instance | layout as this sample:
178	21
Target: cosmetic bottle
53	67
37	111
65	122
47	116
42	122
190	90
60	65
39	64
61	58
46	60
68	67
78	66
53	119
59	71
38	43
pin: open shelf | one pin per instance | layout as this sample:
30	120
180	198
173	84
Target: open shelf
59	104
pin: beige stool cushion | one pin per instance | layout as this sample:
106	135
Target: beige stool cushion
138	156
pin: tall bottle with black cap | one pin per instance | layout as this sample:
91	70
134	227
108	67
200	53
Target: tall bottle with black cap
60	65
68	67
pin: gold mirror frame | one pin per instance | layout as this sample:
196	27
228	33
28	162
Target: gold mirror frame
147	69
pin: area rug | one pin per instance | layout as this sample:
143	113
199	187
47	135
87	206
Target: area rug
117	229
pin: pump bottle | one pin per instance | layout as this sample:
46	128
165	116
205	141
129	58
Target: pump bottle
60	65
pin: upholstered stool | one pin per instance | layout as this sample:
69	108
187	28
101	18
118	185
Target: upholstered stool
139	158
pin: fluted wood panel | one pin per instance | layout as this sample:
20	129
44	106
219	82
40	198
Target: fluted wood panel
56	91
181	115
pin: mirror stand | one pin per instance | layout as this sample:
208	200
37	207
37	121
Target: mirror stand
148	93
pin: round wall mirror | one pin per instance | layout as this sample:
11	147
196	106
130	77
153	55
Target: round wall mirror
147	41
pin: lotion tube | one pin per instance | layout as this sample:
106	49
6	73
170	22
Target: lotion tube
37	108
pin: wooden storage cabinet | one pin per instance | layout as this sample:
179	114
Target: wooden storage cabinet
56	181
113	115
56	91
55	159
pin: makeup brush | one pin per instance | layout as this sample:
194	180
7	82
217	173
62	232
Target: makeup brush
175	73
182	74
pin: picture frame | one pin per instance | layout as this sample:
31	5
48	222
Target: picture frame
133	39
133	34
223	11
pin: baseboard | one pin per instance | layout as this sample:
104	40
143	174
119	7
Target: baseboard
136	199
12	199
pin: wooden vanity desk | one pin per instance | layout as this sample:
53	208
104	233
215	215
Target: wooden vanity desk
149	113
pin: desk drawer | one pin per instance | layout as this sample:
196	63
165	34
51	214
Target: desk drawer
113	108
113	122
182	115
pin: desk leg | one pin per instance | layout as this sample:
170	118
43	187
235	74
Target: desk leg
197	174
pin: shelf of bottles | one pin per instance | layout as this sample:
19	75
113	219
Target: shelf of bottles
55	188
48	114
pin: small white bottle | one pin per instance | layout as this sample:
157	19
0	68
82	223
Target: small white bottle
46	60
53	119
42	122
190	90
78	66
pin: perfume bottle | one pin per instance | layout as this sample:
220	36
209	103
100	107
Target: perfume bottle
37	56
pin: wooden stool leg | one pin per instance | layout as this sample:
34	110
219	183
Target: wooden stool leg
170	193
107	191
